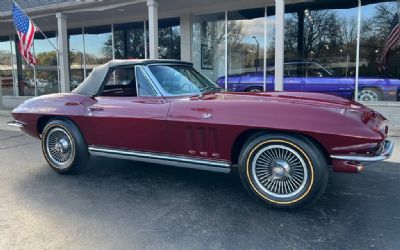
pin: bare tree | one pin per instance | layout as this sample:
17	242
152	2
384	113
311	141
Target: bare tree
348	36
320	37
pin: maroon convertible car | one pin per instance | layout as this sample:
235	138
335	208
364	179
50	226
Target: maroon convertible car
164	111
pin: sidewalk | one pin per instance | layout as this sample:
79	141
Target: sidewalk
392	113
4	118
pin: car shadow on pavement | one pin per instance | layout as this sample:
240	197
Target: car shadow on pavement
151	205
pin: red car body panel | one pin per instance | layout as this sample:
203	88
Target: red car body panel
137	123
207	126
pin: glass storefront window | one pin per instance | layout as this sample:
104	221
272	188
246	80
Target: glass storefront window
6	72
46	68
98	46
320	51
76	57
25	74
169	39
246	50
26	83
379	72
129	41
209	45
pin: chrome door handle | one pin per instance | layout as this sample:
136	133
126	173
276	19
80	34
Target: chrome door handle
96	108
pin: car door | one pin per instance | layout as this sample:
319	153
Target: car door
292	78
129	113
317	79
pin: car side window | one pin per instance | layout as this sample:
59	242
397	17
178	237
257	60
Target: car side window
290	70
315	71
143	84
293	70
120	82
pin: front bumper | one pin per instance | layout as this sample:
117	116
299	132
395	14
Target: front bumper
17	124
384	153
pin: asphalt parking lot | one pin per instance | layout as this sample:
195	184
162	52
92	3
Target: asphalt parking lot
115	204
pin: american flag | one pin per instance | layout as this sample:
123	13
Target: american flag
26	31
391	41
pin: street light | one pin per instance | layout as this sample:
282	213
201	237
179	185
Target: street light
258	52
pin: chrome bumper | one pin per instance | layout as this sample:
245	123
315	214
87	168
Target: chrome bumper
383	154
17	124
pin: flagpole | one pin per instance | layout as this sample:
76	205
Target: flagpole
34	79
34	70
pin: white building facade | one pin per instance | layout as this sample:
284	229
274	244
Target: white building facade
224	40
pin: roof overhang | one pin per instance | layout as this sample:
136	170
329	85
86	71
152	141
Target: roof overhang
71	7
104	12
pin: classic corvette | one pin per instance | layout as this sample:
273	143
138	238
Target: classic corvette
313	77
166	112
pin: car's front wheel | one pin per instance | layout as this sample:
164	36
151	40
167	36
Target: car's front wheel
281	170
64	147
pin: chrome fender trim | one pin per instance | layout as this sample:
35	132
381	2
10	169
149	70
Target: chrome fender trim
164	159
383	154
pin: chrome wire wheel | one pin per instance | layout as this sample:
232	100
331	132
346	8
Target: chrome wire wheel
60	147
368	95
279	171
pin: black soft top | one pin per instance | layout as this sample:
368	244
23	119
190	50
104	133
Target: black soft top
91	85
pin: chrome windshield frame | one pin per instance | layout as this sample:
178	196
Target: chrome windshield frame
161	89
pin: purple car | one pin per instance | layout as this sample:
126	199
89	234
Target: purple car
312	77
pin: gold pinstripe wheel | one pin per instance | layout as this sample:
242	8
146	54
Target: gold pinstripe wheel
283	170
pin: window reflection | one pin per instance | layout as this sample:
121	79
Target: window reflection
379	71
209	44
6	74
322	43
98	46
129	41
76	57
46	68
246	49
169	39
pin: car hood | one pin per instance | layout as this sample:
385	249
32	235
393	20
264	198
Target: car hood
349	108
301	98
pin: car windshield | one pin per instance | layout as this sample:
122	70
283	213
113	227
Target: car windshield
181	80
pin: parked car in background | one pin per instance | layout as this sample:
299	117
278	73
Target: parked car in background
6	83
166	112
24	87
313	77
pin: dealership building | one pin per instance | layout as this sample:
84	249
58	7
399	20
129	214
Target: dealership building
344	40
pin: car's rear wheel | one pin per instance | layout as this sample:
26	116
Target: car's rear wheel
63	146
369	95
285	171
254	89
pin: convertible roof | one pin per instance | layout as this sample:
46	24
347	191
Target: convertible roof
91	85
